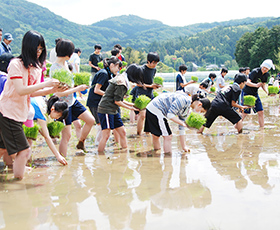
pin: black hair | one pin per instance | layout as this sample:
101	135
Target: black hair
70	66
118	46
112	60
247	68
204	85
64	48
212	75
135	74
239	78
77	50
224	70
241	69
30	42
206	104
59	106
115	52
57	40
5	59
182	68
97	46
153	57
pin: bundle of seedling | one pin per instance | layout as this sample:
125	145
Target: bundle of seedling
141	102
194	78
155	93
81	78
129	98
249	100
273	90
31	132
213	89
158	80
100	65
55	127
195	120
122	70
65	77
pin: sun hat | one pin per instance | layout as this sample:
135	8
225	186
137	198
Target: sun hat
268	64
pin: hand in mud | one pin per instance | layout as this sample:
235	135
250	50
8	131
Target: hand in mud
61	160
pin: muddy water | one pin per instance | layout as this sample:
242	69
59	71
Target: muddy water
227	181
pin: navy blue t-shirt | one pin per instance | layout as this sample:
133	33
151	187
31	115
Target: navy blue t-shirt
255	76
179	80
101	77
148	75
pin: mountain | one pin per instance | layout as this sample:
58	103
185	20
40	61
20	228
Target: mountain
19	16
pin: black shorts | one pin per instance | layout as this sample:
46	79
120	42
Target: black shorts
12	137
156	125
227	112
93	111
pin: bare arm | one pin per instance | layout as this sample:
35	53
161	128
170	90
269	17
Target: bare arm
72	90
30	89
251	84
97	89
125	105
46	135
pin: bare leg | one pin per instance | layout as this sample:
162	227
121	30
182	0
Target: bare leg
167	144
261	118
104	138
20	162
239	126
122	136
140	121
65	137
156	142
78	128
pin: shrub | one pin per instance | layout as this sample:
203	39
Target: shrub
249	100
273	89
31	132
141	102
195	120
81	78
158	80
55	127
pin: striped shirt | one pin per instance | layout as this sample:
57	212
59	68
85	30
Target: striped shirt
172	104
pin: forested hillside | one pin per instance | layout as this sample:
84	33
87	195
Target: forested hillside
199	43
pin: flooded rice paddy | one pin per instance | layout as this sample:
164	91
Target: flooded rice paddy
227	181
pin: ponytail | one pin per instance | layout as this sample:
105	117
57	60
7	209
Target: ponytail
59	106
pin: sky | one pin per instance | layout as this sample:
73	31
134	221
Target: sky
172	13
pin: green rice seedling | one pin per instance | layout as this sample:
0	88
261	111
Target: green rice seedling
48	71
155	93
100	65
122	70
31	132
141	102
213	89
81	78
64	76
194	78
231	82
55	127
249	100
158	80
273	89
195	120
129	98
48	65
124	64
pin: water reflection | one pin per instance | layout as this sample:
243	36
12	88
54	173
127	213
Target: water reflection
227	181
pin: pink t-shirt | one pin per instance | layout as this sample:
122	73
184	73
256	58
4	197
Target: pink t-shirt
12	105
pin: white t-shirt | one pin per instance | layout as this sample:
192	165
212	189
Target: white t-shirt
192	89
220	81
75	59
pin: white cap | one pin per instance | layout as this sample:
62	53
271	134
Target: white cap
268	64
